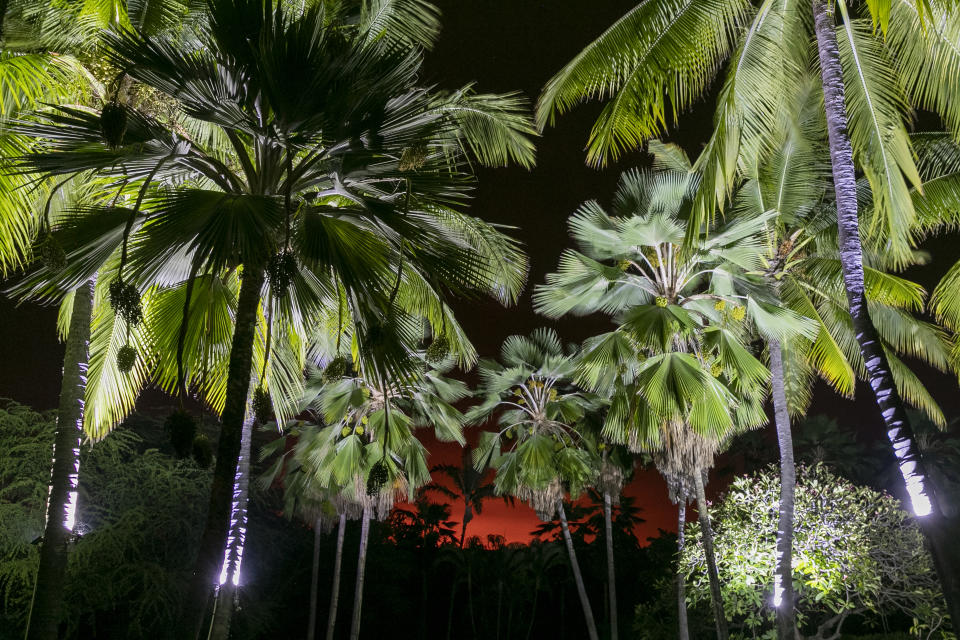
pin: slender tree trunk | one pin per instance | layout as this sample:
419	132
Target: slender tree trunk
217	526
611	571
716	597
473	620
453	600
533	609
335	589
682	625
467	517
783	575
314	579
361	566
922	497
578	578
499	603
233	554
62	499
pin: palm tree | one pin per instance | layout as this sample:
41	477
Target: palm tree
46	56
669	50
539	446
368	452
469	484
679	378
328	191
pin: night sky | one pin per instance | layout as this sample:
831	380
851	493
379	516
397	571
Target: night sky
505	45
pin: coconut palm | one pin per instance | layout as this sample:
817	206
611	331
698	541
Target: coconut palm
668	52
802	271
48	54
470	486
332	192
539	447
680	380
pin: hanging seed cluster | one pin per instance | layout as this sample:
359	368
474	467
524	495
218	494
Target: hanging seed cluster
51	253
113	123
280	272
336	369
262	405
126	358
125	301
438	350
181	427
377	479
413	157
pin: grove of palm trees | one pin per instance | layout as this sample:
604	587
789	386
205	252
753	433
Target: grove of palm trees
434	319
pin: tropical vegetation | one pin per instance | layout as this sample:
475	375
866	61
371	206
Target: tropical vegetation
260	230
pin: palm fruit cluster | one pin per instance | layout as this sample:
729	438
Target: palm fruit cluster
738	313
336	369
280	272
126	358
720	305
377	479
438	350
262	405
661	301
51	253
113	123
413	157
202	451
181	427
716	369
125	301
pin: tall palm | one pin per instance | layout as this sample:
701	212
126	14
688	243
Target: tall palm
679	377
369	451
334	191
802	271
669	50
470	486
48	54
539	447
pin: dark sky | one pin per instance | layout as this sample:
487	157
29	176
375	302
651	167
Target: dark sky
502	45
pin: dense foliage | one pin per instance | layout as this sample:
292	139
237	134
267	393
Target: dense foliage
856	553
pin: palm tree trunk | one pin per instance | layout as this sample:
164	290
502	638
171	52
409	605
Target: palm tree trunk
716	597
533	609
920	491
62	501
578	578
682	625
467	517
453	600
611	572
233	555
314	580
217	526
361	565
335	589
783	574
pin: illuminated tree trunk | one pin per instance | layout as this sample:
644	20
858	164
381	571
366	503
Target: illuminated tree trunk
716	596
783	597
335	589
577	576
216	529
611	571
361	566
920	492
62	500
314	579
233	554
682	624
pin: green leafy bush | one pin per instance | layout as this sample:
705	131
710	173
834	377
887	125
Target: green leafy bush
856	554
